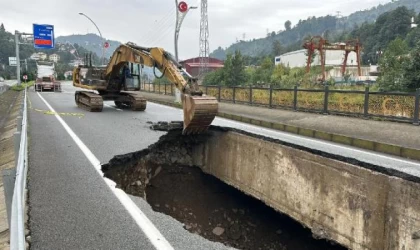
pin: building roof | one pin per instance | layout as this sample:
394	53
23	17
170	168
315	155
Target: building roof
210	65
197	60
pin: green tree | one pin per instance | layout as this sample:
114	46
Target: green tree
232	74
277	49
2	29
288	25
279	74
412	70
263	73
392	65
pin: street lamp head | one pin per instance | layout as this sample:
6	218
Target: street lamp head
80	13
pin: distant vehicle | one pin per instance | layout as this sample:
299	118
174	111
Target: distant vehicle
46	77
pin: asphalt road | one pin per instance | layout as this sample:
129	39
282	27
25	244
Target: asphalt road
72	207
71	204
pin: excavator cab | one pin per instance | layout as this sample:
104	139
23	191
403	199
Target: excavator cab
131	76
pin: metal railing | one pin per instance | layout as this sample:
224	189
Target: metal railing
395	106
17	218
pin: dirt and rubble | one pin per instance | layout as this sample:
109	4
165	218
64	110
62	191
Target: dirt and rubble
164	175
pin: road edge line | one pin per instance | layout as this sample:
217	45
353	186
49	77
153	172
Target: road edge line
148	228
380	147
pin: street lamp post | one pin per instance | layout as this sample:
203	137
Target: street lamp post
182	10
103	44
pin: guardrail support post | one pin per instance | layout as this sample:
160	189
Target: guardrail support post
16	140
326	94
234	93
9	177
417	108
366	105
220	89
270	102
295	91
19	123
250	95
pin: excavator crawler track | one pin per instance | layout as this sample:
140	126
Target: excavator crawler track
132	100
89	101
137	102
199	113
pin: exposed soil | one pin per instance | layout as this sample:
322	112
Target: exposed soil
7	100
165	177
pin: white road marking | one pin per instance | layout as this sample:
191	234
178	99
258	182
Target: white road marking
139	217
267	133
113	107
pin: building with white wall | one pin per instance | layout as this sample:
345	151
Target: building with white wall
298	58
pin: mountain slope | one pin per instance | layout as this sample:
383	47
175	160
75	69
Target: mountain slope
329	26
91	42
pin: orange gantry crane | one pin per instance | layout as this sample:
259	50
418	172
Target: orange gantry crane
322	45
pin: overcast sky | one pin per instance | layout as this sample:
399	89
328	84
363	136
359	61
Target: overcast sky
152	22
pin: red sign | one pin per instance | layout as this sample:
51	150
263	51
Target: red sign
106	45
182	7
42	42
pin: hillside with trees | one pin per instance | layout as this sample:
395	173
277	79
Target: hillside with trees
389	42
91	42
291	36
67	52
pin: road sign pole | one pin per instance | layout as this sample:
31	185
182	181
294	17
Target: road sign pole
17	57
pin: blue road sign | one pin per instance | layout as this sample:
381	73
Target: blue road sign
43	36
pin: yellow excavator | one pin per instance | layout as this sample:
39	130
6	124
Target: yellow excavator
111	84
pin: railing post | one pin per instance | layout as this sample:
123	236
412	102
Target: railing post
295	92
250	95
165	88
9	178
234	93
220	89
207	90
19	123
159	88
16	142
366	105
416	108
270	102
326	100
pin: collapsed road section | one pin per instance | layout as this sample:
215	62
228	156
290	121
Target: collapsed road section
241	189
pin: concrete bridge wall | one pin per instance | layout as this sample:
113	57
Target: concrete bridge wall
354	206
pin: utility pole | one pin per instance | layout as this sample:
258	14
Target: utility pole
17	57
204	39
102	38
181	11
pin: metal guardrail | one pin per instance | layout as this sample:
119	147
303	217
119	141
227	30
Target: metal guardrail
17	217
397	106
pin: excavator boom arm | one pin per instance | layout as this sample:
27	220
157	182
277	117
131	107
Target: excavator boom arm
151	57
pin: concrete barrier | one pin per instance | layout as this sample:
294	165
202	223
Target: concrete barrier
409	153
353	205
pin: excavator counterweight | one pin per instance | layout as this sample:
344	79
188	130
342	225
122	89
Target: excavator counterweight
112	83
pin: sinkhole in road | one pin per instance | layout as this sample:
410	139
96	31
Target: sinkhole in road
165	176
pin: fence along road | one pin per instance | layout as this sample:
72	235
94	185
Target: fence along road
396	106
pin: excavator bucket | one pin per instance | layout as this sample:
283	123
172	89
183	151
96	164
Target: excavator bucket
199	113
